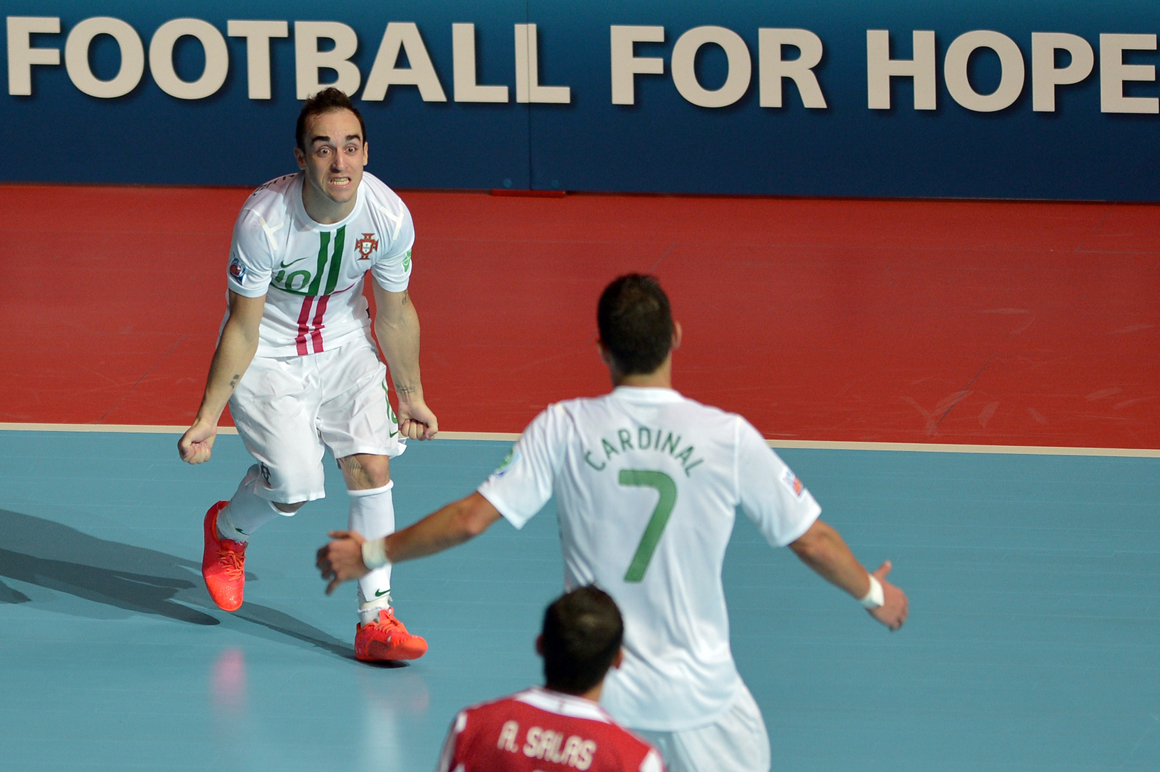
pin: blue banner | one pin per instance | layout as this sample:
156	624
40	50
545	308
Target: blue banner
817	97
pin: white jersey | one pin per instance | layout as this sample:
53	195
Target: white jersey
312	273
646	485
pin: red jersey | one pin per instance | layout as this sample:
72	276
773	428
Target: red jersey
543	731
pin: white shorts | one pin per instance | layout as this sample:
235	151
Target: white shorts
288	409
736	742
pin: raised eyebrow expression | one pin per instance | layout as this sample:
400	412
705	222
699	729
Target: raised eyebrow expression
322	138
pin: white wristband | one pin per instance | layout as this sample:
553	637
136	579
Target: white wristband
374	554
874	598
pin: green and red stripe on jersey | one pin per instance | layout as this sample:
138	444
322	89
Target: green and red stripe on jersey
310	331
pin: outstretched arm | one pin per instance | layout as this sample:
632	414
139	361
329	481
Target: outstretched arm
235	351
397	328
342	559
823	549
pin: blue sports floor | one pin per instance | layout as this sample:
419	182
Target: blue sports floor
1033	641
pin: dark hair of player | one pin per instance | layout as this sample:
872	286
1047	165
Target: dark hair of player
323	102
583	630
635	323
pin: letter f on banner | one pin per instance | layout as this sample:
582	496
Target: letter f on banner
626	65
21	54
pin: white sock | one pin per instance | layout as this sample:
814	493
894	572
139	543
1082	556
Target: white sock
247	511
372	513
368	611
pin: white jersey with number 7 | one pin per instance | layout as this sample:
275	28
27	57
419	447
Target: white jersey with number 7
647	483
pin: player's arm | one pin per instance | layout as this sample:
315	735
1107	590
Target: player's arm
397	328
342	559
823	549
235	351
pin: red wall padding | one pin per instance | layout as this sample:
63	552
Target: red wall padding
859	320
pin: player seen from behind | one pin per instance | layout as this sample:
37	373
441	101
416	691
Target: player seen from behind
559	727
647	483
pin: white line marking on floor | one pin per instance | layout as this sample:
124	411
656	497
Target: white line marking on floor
912	447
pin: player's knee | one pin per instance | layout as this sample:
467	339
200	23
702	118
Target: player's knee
365	471
292	485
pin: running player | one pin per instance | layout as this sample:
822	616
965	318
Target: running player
559	727
646	484
297	363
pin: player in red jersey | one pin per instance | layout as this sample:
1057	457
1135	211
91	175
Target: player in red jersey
560	726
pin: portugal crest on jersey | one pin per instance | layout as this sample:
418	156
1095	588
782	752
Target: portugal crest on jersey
237	270
367	244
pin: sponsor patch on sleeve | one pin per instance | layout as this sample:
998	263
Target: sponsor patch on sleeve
795	486
237	270
512	457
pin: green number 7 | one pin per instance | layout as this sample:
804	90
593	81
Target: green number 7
656	524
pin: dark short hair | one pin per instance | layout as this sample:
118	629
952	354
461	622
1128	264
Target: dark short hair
582	632
635	323
323	102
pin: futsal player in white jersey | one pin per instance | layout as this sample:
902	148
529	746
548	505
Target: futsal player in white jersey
296	361
646	484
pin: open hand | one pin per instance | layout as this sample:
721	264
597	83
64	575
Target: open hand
895	606
341	560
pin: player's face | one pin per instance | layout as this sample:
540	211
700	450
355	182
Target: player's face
333	162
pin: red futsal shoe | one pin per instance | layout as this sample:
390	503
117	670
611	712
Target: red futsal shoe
387	640
223	564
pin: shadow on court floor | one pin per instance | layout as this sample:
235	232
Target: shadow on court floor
1033	642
